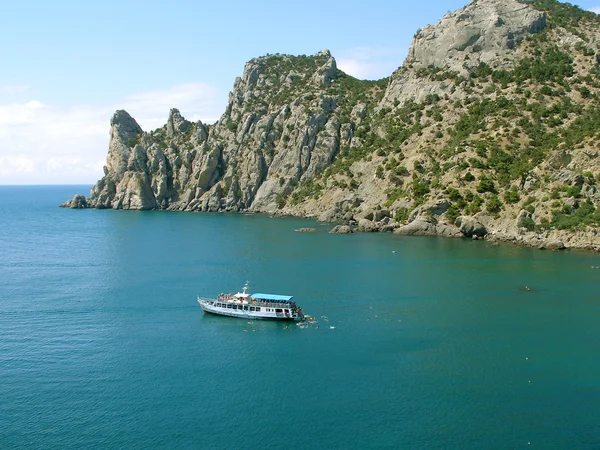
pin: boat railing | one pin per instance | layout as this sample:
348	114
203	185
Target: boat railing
263	304
273	305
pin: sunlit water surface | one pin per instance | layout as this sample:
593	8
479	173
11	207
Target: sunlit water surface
103	345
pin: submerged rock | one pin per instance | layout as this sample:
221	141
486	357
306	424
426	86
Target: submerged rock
341	229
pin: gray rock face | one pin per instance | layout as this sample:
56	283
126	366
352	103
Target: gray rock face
341	229
328	71
422	226
553	244
560	159
367	226
570	177
427	226
127	181
299	137
271	137
469	227
176	123
123	128
434	208
78	202
485	31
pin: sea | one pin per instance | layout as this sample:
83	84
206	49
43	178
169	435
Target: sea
413	342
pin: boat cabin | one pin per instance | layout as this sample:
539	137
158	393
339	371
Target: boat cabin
243	304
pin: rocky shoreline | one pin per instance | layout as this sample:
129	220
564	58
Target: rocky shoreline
487	131
464	228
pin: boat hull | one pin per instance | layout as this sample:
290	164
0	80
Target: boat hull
244	314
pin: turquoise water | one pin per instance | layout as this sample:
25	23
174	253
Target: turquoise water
102	343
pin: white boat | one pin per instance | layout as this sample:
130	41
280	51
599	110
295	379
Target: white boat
253	306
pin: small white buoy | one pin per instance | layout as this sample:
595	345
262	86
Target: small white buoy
332	328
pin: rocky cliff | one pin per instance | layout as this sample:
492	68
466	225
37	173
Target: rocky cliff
489	129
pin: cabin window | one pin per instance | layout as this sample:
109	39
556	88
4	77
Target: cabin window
229	306
257	308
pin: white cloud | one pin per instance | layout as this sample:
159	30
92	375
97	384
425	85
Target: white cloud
40	144
196	101
371	62
595	9
16	114
13	89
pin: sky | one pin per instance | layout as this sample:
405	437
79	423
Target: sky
66	66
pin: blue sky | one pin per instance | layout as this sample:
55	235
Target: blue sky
68	65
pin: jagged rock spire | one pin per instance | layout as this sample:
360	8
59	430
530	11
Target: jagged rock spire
176	123
123	129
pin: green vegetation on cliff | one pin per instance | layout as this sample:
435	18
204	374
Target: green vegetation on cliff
503	125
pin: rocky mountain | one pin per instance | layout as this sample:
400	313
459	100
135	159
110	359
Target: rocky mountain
490	129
